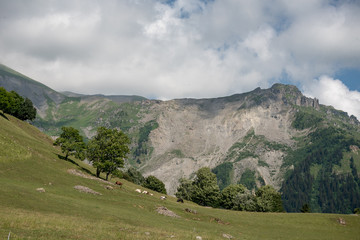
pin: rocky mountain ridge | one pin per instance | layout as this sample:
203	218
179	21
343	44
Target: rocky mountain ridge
240	129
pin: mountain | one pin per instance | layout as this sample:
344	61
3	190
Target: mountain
41	95
115	98
45	197
45	98
276	136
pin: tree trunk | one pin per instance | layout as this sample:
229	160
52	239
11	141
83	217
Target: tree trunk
107	175
97	172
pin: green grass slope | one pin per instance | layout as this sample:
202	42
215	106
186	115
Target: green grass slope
29	161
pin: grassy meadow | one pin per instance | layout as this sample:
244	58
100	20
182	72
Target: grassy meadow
29	161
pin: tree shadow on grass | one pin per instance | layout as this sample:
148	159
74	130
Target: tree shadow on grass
75	163
3	115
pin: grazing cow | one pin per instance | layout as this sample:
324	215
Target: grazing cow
138	190
162	197
145	192
119	183
180	200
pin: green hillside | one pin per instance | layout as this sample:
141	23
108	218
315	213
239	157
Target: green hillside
29	161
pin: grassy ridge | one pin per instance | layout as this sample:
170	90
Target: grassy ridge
29	161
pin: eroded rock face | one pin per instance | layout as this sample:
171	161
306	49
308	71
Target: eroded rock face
196	133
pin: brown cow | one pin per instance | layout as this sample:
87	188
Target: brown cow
119	183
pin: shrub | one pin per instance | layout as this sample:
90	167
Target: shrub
268	200
305	208
228	195
185	190
357	211
155	184
132	175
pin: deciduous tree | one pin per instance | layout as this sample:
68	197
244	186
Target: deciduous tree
245	202
27	110
268	199
71	143
228	195
107	150
4	100
206	190
12	103
185	190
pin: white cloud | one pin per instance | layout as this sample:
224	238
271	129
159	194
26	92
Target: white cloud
189	49
333	92
259	43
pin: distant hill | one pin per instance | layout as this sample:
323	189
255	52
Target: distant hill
43	97
115	98
41	199
274	136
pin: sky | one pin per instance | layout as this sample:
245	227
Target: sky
166	49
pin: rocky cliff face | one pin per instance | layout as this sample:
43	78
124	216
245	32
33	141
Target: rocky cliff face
251	131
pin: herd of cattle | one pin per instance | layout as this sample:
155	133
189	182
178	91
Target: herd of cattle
144	192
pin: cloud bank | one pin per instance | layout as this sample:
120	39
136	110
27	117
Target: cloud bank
333	92
183	48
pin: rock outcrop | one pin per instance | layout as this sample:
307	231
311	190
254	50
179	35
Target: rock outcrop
197	133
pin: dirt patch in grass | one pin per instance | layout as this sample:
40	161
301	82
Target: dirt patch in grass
86	190
219	221
164	211
83	175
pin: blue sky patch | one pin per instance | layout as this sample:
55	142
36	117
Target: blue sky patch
350	77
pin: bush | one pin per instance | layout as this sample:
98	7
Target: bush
203	190
228	195
245	202
185	190
132	175
305	208
155	184
357	211
268	200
